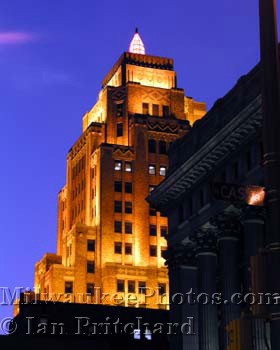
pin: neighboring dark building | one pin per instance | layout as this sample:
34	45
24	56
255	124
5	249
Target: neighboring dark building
216	240
52	325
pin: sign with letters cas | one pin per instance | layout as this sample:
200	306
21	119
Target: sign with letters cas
252	195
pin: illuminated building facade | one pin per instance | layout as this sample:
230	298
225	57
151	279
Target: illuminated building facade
218	244
108	238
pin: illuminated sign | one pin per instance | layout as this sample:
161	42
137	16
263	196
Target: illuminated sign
252	195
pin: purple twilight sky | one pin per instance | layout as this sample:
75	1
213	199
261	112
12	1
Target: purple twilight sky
53	56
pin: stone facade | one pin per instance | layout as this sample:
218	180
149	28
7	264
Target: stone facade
108	239
225	238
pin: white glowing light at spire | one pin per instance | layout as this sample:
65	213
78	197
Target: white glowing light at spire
136	45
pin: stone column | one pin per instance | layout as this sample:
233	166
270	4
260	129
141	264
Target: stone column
183	279
253	219
228	224
207	268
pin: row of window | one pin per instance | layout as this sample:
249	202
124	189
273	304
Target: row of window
127	166
127	248
127	187
152	170
78	189
127	207
80	165
118	249
130	285
128	228
153	146
77	210
142	288
155	109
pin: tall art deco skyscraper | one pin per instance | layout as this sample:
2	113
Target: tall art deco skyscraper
108	239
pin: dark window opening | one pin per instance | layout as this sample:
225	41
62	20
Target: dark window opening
90	267
128	187
118	186
118	206
145	108
118	226
68	287
162	288
153	230
120	286
128	227
152	146
90	288
128	207
128	249
165	111
155	110
131	286
162	147
91	245
153	250
119	129
118	248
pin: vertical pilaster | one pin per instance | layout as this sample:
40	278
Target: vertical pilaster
183	283
229	253
253	239
207	268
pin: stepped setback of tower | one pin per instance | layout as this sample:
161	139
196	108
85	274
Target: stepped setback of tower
110	243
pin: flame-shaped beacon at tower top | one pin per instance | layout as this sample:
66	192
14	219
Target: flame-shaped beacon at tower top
136	44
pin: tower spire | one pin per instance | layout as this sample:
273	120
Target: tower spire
136	44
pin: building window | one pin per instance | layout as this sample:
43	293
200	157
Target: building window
162	147
118	165
128	167
151	188
162	288
152	169
165	111
91	245
152	146
128	249
155	110
128	227
128	207
153	250
118	186
153	230
90	288
120	109
118	206
118	248
119	129
142	287
162	171
153	212
120	286
128	187
163	231
162	252
236	170
90	267
68	287
118	226
145	108
131	286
